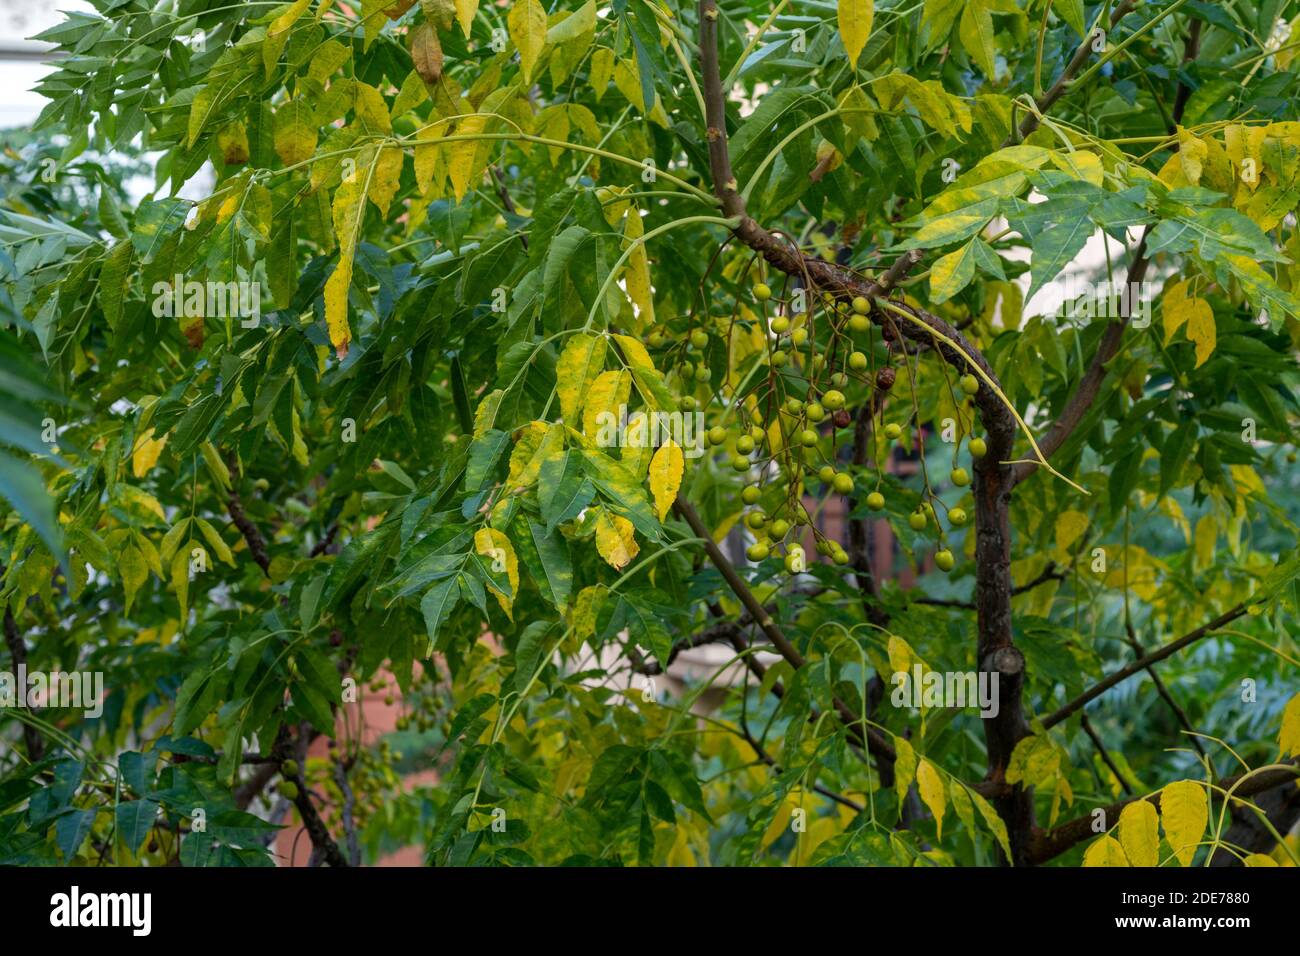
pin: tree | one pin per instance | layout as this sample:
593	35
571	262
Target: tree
502	323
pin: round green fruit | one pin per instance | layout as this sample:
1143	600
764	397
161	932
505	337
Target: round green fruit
893	430
779	528
762	292
815	412
875	501
749	494
757	433
288	789
839	380
969	384
740	463
808	438
861	305
793	406
826	474
744	444
700	339
289	768
755	520
799	336
957	516
833	399
655	339
780	325
843	483
859	323
960	477
687	403
779	359
758	551
917	520
978	448
858	361
717	435
944	560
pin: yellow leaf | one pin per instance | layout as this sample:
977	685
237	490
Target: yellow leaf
464	154
527	23
232	142
1191	156
855	25
900	656
1105	851
581	361
930	784
494	544
1207	534
172	539
219	546
429	158
666	476
585	608
485	416
680	854
372	111
1175	308
465	10
602	68
387	177
638	269
1070	526
975	30
634	352
904	766
134	572
1080	164
608	392
145	454
181	580
1185	813
780	821
994	822
277	34
295	132
1259	859
349	213
615	539
1139	833
1289	735
1201	330
538	442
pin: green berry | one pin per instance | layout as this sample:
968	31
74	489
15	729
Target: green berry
843	483
957	516
755	520
758	551
793	406
687	403
978	448
700	339
779	528
717	435
780	325
757	433
861	305
288	789
761	292
944	560
779	358
960	477
839	555
808	438
969	384
744	444
875	501
749	494
893	430
834	399
815	412
826	474
839	380
740	463
289	768
858	361
918	520
799	336
859	323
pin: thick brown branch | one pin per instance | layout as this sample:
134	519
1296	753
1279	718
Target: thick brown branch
252	536
1048	844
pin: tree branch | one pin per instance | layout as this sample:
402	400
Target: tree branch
1142	663
18	650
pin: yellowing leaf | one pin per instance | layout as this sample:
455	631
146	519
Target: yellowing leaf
295	132
1139	833
465	10
1201	330
666	476
1105	851
1207	534
1185	813
608	392
602	68
426	52
349	213
1289	735
1070	526
952	273
1080	164
615	539
855	25
930	785
538	442
219	547
463	162
975	30
494	544
181	580
638	269
134	571
277	34
1259	859
527	23
581	361
145	454
904	766
387	177
780	821
993	822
